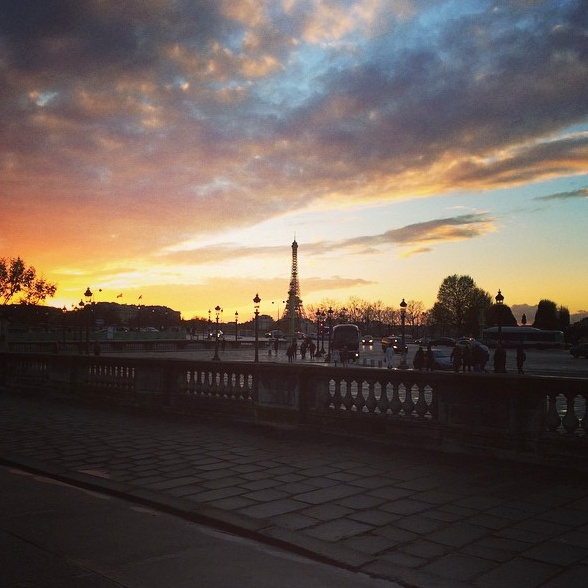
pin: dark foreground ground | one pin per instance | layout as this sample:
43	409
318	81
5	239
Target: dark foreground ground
248	503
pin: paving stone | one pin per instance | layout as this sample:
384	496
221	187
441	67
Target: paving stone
267	495
219	493
419	524
259	484
375	517
457	535
556	552
397	558
326	494
338	529
522	573
572	577
405	506
269	509
458	567
327	512
373	544
294	521
360	501
396	534
371	482
233	503
488	522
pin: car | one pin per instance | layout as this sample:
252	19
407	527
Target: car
395	342
579	349
439	341
442	359
367	340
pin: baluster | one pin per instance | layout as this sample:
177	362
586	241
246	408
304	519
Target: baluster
383	402
421	405
570	420
552	420
347	398
395	403
371	402
408	404
359	400
337	400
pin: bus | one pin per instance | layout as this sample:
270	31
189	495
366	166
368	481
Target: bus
525	336
347	336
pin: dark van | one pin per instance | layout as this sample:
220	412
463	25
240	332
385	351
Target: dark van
347	336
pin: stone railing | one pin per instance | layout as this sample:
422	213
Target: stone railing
531	418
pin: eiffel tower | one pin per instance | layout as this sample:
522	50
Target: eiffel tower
294	311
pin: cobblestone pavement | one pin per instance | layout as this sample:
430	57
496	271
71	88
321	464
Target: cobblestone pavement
416	518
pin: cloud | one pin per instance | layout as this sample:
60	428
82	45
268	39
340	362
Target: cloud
422	235
167	120
581	194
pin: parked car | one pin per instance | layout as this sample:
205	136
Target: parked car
442	359
395	342
579	349
367	340
439	341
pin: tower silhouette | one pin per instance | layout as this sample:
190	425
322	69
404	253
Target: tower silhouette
294	312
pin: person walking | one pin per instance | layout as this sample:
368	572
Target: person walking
521	357
389	355
429	359
500	360
456	356
419	359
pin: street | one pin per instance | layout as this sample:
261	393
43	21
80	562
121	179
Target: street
542	362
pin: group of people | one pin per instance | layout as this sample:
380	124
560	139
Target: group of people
470	358
307	346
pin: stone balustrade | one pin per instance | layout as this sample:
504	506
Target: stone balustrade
531	418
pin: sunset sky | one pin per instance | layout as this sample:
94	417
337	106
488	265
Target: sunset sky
174	149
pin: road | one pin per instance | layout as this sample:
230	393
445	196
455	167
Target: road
53	535
552	362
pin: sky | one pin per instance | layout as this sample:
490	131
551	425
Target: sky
173	149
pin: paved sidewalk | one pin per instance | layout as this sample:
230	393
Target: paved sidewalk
416	518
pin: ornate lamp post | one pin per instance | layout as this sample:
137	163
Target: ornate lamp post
403	365
64	314
322	314
330	313
88	309
256	302
209	326
236	324
499	301
216	356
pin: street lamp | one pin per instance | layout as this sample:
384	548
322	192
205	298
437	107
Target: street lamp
256	302
403	365
88	309
330	313
236	324
216	356
318	333
209	325
64	314
499	301
322	314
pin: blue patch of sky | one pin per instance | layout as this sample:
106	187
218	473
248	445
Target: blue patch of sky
301	79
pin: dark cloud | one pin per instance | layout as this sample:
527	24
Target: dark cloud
581	194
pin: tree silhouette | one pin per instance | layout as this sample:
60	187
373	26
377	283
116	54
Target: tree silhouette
18	280
460	305
546	316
